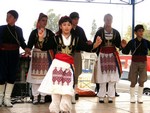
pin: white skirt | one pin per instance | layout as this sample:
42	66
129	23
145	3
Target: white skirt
111	76
50	85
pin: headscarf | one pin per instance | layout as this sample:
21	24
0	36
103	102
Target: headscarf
41	15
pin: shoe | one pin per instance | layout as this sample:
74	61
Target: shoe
101	100
73	100
7	102
116	94
76	96
35	101
64	112
110	100
42	100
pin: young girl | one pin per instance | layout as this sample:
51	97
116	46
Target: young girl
40	60
59	79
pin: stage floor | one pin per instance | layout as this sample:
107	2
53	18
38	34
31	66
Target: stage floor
87	105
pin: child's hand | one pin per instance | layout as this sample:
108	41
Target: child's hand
123	43
98	42
27	52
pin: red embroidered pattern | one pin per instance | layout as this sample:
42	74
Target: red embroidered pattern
61	76
39	64
108	63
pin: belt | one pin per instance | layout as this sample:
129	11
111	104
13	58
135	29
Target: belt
9	47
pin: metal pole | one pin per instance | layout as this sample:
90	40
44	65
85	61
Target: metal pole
133	17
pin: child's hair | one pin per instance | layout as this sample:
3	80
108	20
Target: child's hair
13	13
62	20
137	27
107	15
65	19
74	15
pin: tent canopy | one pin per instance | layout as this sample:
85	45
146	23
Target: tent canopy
119	2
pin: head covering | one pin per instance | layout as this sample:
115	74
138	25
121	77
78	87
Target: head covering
13	13
137	27
41	15
74	15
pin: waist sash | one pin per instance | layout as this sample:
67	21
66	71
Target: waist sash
139	58
64	57
107	49
9	47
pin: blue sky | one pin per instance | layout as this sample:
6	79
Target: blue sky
29	10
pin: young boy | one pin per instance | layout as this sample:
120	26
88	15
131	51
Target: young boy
139	50
11	39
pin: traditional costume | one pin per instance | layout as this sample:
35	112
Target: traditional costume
139	49
108	64
11	39
59	79
78	32
40	62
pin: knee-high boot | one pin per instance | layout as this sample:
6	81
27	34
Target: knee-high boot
140	93
132	94
2	87
7	96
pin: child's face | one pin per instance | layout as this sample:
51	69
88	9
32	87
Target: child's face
10	19
75	21
139	33
66	27
108	21
43	22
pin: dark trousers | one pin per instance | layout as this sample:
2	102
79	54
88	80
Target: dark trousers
8	66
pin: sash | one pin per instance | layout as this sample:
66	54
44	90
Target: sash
64	57
118	63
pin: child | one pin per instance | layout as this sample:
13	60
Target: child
11	39
108	68
40	60
59	79
139	50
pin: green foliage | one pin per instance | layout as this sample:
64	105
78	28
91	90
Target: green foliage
94	28
53	19
128	34
52	22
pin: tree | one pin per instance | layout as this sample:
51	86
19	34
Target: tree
128	34
94	29
53	19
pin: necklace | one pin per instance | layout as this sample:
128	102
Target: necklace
15	37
